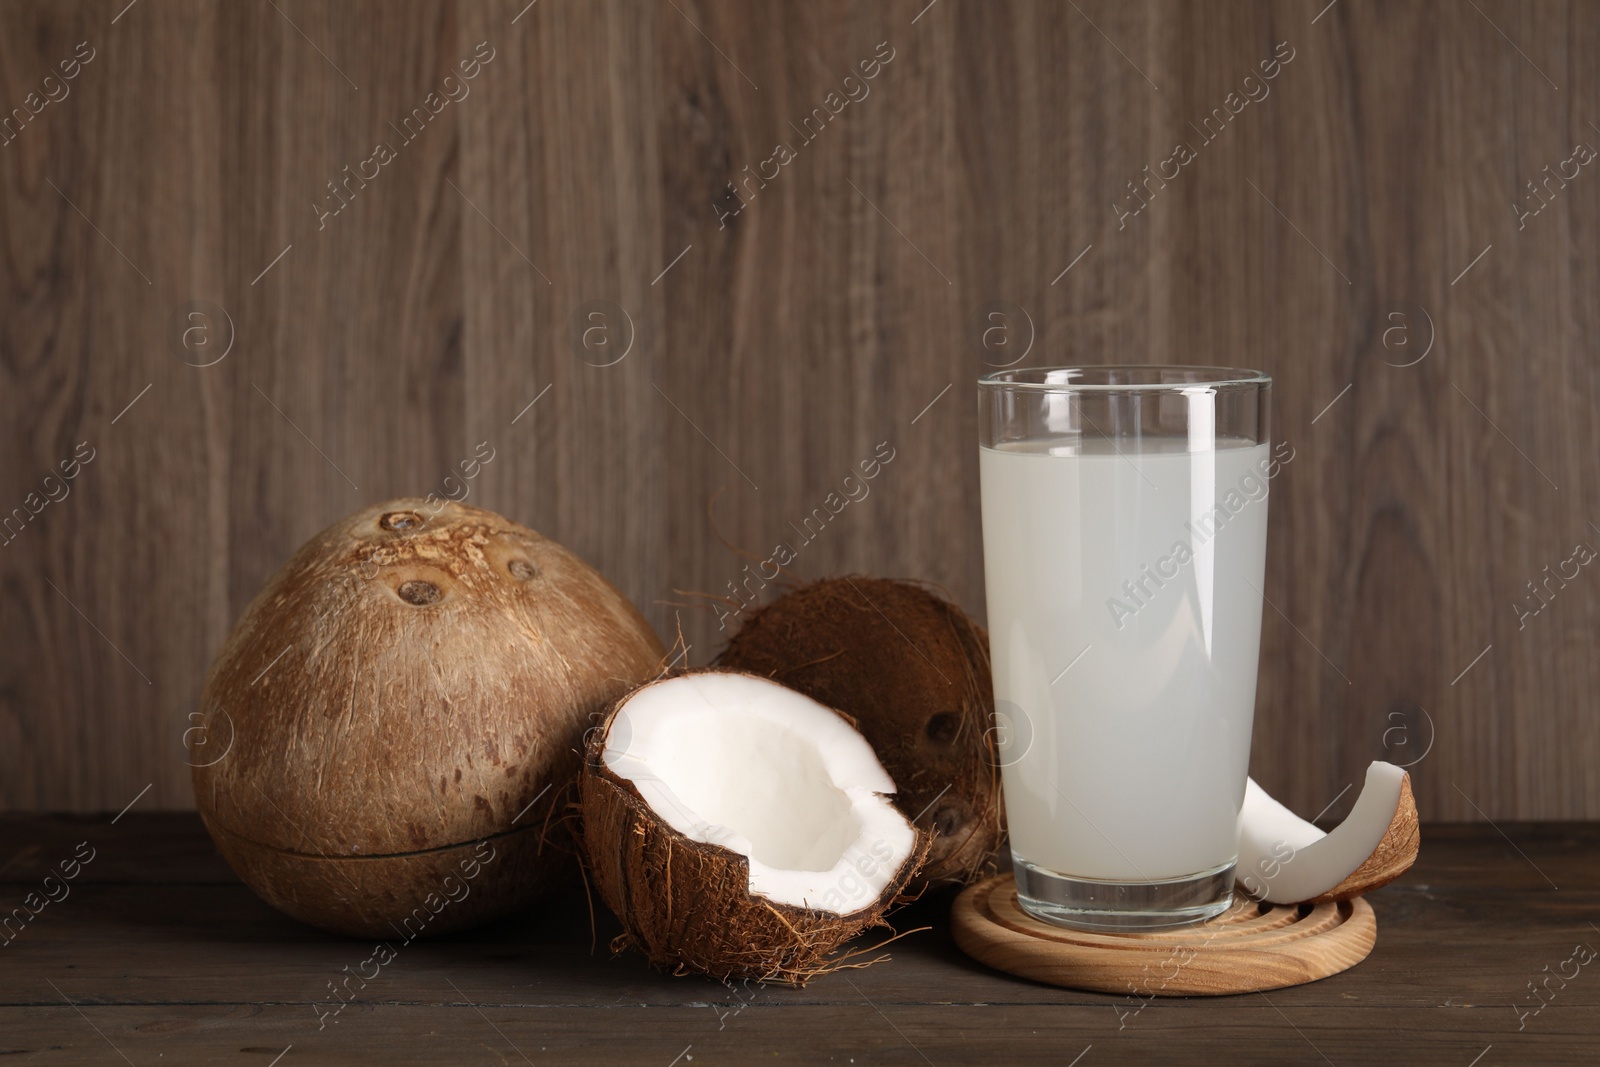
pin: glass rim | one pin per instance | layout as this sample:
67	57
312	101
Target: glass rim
1204	377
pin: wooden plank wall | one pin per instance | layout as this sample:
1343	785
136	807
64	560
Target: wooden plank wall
1352	229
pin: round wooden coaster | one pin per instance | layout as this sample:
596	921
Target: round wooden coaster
1250	947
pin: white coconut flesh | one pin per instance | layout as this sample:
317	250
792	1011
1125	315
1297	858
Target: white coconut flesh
1284	860
754	767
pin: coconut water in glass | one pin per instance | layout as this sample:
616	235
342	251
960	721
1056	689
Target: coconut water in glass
1125	529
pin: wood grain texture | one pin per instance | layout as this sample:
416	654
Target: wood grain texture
587	171
1248	948
171	959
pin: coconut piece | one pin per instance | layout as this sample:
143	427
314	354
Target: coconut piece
1285	860
912	669
406	700
740	829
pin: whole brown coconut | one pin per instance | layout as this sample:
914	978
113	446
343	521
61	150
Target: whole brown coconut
912	669
387	732
688	904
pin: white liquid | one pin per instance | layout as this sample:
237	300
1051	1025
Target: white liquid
1130	765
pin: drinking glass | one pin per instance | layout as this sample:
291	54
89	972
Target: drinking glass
1124	538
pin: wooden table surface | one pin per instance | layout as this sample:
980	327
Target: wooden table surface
157	954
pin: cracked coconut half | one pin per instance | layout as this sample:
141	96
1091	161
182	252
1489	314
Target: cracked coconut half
739	828
912	670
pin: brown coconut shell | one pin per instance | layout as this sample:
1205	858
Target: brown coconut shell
687	906
912	670
404	705
1395	853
